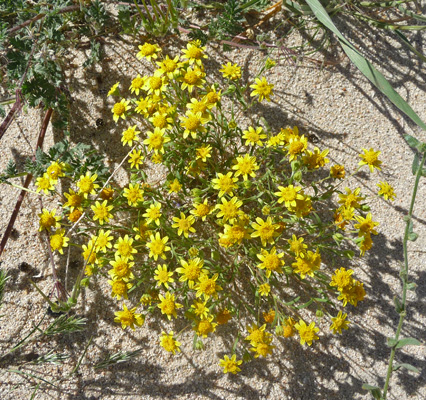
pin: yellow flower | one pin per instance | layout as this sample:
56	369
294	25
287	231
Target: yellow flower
366	225
194	54
75	215
191	270
235	233
193	124
161	120
229	209
45	183
253	136
107	193
230	364
315	159
135	159
137	84
246	166
265	230
386	191
337	171
207	287
205	326
307	333
163	276
200	309
296	146
351	199
157	246
307	265
155	85
119	288
169	343
297	246
231	71
225	184
288	195
87	184
168	306
128	318
370	158
271	261
58	240
184	224
119	109
192	78
101	212
133	194
262	89
153	213
124	247
174	186
223	316
168	67
142	231
258	335
264	289
269	316
122	268
342	278
55	170
90	255
114	90
203	153
156	140
212	97
157	158
73	200
102	240
198	107
149	51
339	323
48	220
201	210
129	136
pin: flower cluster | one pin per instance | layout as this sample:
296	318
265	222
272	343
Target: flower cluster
238	228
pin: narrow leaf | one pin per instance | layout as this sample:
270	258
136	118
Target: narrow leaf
364	65
415	165
398	305
409	45
406	366
407	342
412	141
411	286
374	390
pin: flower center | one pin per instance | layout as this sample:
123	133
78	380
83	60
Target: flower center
119	109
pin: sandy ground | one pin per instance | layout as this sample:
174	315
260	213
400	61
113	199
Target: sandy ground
346	114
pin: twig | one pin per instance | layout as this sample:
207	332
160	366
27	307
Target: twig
14	30
27	182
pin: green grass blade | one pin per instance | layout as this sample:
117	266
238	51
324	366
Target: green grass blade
373	75
410	46
411	14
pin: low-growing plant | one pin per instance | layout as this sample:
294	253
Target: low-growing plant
250	228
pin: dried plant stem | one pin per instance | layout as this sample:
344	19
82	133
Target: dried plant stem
27	182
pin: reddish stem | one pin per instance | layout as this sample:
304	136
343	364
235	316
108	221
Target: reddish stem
27	182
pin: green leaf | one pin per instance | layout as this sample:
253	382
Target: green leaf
409	45
411	286
374	390
348	254
415	165
412	141
407	342
412	236
390	342
307	304
364	65
406	366
398	305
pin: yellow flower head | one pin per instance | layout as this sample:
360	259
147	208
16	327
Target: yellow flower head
246	166
339	323
124	247
271	261
230	365
58	241
149	51
231	71
168	67
101	212
153	213
265	230
175	186
156	140
254	136
87	184
119	288
45	183
192	78
55	170
194	54
370	158
137	84
129	136
48	220
133	194
163	276
74	200
307	333
119	109
168	305
386	191
157	246
129	318
225	184
337	171
168	342
191	270
135	158
307	265
229	210
207	287
262	89
205	326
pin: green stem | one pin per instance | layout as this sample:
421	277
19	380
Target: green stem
404	276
